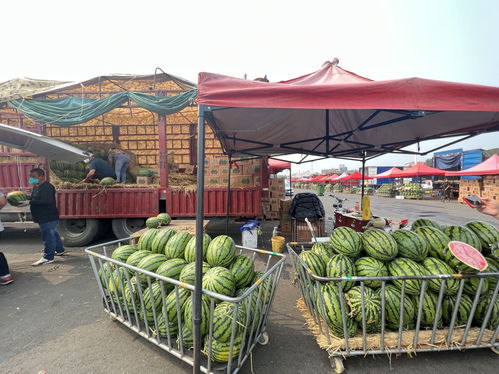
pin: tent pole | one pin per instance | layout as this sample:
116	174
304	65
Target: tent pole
290	185
199	242
363	176
228	197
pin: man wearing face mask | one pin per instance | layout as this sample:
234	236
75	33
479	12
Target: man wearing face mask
44	212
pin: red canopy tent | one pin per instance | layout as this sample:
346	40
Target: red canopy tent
295	180
354	177
276	166
419	170
489	167
331	178
391	173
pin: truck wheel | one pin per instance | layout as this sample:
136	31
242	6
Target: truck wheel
124	227
79	232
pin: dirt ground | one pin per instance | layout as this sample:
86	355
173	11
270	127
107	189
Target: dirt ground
52	321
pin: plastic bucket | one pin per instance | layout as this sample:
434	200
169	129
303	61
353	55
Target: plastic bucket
278	243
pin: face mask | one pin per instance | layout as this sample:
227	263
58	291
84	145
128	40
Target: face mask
33	180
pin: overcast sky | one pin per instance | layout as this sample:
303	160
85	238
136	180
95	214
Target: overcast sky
453	40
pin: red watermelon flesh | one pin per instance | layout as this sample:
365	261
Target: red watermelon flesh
468	255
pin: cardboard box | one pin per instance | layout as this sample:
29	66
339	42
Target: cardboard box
257	180
285	205
214	172
236	171
173	168
212	181
274	207
242	181
144	180
189	170
251	169
277	195
219	161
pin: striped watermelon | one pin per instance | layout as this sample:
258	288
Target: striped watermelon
165	327
175	247
372	305
164	219
220	352
159	242
219	280
205	314
136	257
341	266
404	267
352	329
425	222
145	240
332	312
379	244
434	266
346	241
174	302
410	245
471	286
223	317
437	241
116	280
464	310
255	308
242	270
152	296
171	269
187	339
266	289
105	273
188	273
314	263
16	198
221	251
486	233
153	222
190	249
482	310
393	299
324	250
463	234
131	295
493	267
123	252
370	267
150	263
429	309
464	258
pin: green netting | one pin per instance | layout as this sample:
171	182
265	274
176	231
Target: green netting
73	110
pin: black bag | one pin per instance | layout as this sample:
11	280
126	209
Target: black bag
307	205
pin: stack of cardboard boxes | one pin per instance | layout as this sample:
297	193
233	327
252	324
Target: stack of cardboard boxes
245	173
286	223
469	187
491	186
271	201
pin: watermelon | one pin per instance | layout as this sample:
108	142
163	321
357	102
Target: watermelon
221	251
175	246
223	316
187	339
164	219
370	267
429	309
242	270
436	240
164	327
486	233
341	266
425	222
482	310
175	302
331	312
171	269
188	273
434	266
404	267
346	241
107	181
410	245
379	244
465	258
161	238
266	289
144	173
146	239
220	352
116	280
123	252
463	234
205	314
493	267
372	305
131	296
16	198
251	303
471	286
105	273
464	309
352	329
314	263
152	296
153	222
190	249
135	258
393	299
324	250
219	280
150	263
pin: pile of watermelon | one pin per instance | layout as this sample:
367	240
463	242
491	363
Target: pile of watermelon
411	191
423	250
338	188
172	254
386	190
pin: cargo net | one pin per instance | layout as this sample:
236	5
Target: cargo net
395	314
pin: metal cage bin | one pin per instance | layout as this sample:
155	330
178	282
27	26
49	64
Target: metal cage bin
345	323
160	309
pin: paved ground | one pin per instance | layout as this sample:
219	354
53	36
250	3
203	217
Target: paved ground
51	318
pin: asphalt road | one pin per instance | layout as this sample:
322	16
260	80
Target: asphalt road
51	318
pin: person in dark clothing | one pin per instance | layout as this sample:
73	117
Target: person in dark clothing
44	212
447	191
99	169
5	277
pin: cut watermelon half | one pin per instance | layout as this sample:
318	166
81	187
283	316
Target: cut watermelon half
468	255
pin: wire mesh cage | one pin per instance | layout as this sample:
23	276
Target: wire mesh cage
352	316
159	308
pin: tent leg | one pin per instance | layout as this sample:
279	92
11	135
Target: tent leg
228	198
363	176
290	185
199	243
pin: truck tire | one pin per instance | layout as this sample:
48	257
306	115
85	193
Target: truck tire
78	232
124	227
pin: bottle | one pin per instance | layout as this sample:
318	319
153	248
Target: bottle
356	207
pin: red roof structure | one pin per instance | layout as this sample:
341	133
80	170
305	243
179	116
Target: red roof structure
391	173
419	170
356	176
489	167
276	166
